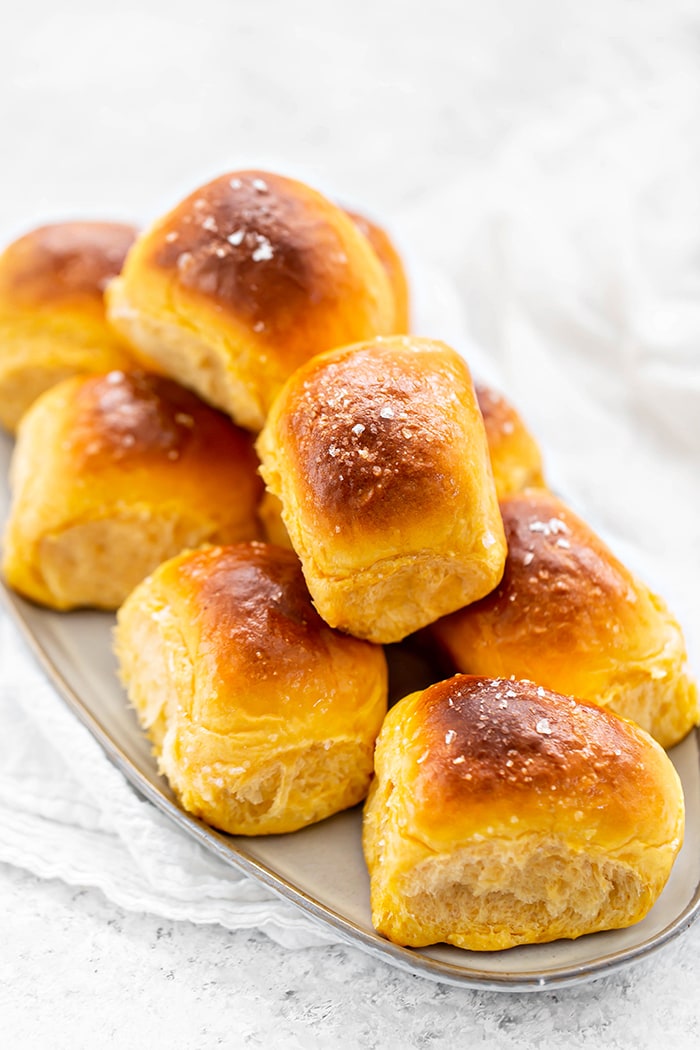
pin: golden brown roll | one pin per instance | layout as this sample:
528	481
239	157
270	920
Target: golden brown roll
111	475
515	455
243	281
263	718
378	454
568	615
504	814
394	266
52	311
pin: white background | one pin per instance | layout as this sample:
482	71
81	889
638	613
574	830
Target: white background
544	157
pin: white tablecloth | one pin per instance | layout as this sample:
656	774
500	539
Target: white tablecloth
537	162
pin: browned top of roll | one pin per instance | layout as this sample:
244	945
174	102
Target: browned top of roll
251	621
566	579
63	261
378	429
514	736
483	751
261	246
562	584
124	420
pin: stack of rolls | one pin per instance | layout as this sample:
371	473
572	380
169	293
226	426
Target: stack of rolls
277	482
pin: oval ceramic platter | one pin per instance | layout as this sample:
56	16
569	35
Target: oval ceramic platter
321	868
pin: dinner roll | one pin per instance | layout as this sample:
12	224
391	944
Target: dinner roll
243	281
263	718
515	459
568	615
52	312
111	475
393	264
378	454
504	814
515	455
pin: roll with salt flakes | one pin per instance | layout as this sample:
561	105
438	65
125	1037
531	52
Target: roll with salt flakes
244	280
378	454
502	813
569	615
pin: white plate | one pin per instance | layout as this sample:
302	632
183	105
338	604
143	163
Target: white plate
321	869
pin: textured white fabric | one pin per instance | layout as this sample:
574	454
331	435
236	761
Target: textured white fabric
66	812
567	269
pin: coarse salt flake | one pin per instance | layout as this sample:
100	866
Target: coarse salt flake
387	412
544	727
236	237
264	251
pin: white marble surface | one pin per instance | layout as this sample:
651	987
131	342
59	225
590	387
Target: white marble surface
117	112
76	971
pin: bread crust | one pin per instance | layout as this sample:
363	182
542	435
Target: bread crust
263	718
111	475
52	309
570	616
503	813
378	454
243	281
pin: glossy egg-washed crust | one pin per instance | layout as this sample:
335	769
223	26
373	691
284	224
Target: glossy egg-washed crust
63	262
125	448
52	310
263	717
570	616
502	772
378	454
516	459
243	281
393	263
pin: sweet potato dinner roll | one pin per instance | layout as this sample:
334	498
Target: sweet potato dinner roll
52	310
113	474
393	264
245	280
378	454
568	615
515	455
504	814
263	718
